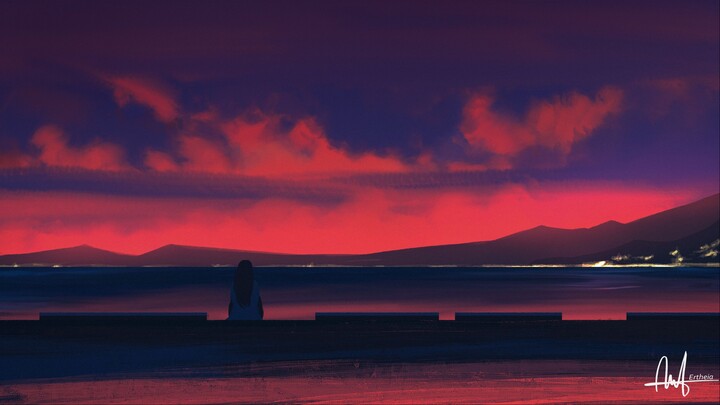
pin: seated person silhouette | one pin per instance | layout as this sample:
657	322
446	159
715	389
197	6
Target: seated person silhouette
245	302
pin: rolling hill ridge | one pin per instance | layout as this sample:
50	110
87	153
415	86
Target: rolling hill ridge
693	230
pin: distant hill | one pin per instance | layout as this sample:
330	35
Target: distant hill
537	244
700	247
687	228
73	256
177	255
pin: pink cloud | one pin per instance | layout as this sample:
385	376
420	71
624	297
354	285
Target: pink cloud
265	150
555	125
488	130
147	93
209	115
499	163
692	95
314	153
248	133
203	155
160	161
14	159
55	151
261	147
680	87
193	153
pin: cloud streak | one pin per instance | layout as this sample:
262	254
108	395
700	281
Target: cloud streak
147	93
555	125
168	185
55	151
260	145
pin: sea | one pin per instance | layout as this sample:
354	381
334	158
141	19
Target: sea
296	293
222	363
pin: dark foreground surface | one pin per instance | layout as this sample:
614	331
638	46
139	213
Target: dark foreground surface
355	361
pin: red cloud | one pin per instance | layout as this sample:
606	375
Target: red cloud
195	154
14	159
204	155
499	163
265	150
680	87
147	93
160	161
555	124
690	95
307	150
55	151
260	147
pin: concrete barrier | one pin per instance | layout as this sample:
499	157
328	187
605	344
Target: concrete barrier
130	317
672	316
507	316
377	316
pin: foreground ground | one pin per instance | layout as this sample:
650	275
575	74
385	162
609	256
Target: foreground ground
350	362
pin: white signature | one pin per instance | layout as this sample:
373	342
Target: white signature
680	381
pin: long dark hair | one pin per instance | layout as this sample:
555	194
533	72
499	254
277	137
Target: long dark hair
243	284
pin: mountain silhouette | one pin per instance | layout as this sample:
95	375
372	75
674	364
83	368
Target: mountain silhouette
643	251
685	228
536	244
74	256
178	255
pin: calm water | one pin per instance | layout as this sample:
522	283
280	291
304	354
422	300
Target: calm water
92	372
297	293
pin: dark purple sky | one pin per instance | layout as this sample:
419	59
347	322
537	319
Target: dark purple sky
348	126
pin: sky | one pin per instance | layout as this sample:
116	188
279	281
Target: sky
348	127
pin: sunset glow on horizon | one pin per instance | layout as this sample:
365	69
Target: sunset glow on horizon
352	127
139	224
359	201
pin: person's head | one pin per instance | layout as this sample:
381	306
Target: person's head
244	272
245	266
244	279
